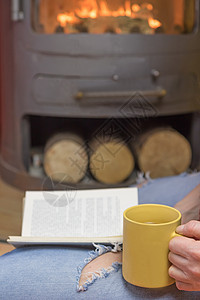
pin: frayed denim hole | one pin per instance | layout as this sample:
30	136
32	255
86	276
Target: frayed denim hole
102	273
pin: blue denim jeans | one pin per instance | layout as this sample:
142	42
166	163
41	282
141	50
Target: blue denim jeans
52	272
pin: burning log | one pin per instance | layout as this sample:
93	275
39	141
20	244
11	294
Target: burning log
111	161
65	158
163	152
109	24
59	29
81	27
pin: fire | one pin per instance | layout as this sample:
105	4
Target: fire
147	6
66	18
62	19
91	9
93	14
153	23
128	8
135	8
104	10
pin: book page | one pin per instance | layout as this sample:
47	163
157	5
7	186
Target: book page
87	213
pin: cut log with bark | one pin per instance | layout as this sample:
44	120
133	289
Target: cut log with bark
163	152
65	158
111	161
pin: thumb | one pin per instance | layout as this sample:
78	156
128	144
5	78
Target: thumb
190	229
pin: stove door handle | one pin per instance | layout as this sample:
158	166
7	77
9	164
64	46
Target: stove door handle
158	93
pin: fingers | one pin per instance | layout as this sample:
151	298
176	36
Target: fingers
182	286
178	261
178	274
191	229
186	270
181	246
184	280
185	257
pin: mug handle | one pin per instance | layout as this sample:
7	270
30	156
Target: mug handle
174	234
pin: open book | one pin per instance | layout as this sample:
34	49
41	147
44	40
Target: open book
75	216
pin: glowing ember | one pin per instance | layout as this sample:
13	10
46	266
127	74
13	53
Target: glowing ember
104	11
66	18
62	19
128	8
149	6
135	8
93	14
153	23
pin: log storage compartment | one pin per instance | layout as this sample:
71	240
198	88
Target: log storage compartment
91	157
86	67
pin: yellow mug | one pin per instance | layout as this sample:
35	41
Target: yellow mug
147	230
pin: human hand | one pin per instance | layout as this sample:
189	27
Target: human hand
185	257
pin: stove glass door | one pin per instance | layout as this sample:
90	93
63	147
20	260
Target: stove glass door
113	16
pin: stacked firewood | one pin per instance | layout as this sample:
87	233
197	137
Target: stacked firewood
160	152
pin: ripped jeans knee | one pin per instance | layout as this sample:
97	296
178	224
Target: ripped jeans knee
100	263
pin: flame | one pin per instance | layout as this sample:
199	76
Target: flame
128	8
135	8
120	12
104	10
66	18
147	6
90	9
93	14
62	19
153	23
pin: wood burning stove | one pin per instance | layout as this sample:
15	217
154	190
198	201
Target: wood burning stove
76	64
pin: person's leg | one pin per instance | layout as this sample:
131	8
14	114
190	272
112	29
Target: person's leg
41	272
168	190
51	272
